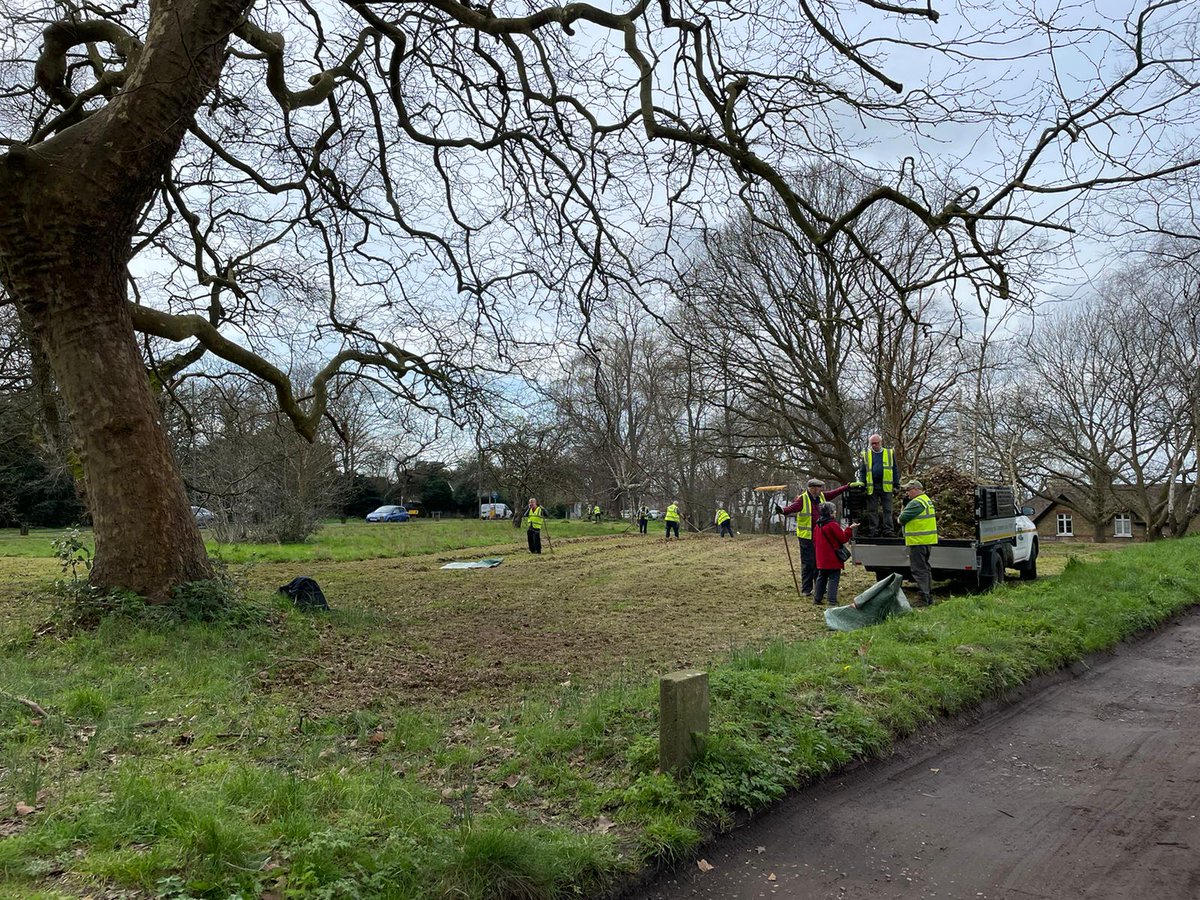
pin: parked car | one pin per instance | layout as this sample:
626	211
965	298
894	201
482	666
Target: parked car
388	514
414	509
204	517
494	511
655	514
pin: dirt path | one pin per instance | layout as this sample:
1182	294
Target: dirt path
1088	789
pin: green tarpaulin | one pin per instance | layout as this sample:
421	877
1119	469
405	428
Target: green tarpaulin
871	607
489	563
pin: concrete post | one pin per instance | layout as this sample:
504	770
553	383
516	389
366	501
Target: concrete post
682	718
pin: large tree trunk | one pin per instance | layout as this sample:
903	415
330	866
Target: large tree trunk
146	537
68	212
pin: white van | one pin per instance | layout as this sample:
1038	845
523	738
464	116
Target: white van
494	511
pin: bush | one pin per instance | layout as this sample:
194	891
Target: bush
80	606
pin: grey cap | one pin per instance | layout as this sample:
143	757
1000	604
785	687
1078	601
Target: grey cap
815	482
914	484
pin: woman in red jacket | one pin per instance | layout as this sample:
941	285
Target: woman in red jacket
828	537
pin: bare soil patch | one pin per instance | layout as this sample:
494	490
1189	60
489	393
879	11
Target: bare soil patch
595	609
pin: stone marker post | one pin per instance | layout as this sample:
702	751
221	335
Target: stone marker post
682	716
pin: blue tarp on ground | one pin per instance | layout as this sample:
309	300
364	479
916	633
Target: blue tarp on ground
489	563
872	606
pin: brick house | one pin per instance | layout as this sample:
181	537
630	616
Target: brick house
1063	516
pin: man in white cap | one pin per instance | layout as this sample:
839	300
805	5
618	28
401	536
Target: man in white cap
805	508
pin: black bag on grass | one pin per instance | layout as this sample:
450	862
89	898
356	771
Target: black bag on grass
305	593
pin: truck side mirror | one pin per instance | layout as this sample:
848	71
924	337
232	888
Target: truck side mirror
1027	511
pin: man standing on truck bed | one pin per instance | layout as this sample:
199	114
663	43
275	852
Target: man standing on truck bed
877	470
919	522
804	506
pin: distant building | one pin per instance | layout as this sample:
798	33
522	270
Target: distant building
1064	515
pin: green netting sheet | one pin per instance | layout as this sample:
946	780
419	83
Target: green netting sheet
872	606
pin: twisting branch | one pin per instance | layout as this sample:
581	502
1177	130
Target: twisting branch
60	37
399	363
271	45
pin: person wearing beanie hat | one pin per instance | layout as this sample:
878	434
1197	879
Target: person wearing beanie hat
805	509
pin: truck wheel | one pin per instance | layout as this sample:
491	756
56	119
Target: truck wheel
996	576
1029	567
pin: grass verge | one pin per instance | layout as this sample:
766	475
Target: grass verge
168	765
336	541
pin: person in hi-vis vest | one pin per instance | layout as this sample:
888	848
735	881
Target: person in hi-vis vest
672	519
877	472
919	521
535	517
805	508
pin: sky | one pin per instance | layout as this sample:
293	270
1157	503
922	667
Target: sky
1003	71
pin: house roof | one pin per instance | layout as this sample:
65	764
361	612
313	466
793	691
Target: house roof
1123	496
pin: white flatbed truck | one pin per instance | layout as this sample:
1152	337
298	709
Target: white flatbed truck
1005	538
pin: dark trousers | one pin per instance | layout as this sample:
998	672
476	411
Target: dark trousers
726	528
918	561
642	526
535	539
808	565
673	526
880	525
827	586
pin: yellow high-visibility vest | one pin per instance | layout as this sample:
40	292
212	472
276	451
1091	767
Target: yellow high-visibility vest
722	517
889	470
533	517
804	518
923	528
672	514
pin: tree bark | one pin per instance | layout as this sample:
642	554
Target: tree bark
68	212
146	536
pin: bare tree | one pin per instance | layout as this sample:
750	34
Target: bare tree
768	319
244	461
609	399
530	456
1156	382
817	349
1008	447
243	151
904	370
1076	420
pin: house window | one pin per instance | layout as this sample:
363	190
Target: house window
1123	525
1064	525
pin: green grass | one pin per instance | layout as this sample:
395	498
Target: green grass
174	761
352	541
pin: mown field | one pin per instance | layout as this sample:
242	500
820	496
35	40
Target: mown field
347	542
486	733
